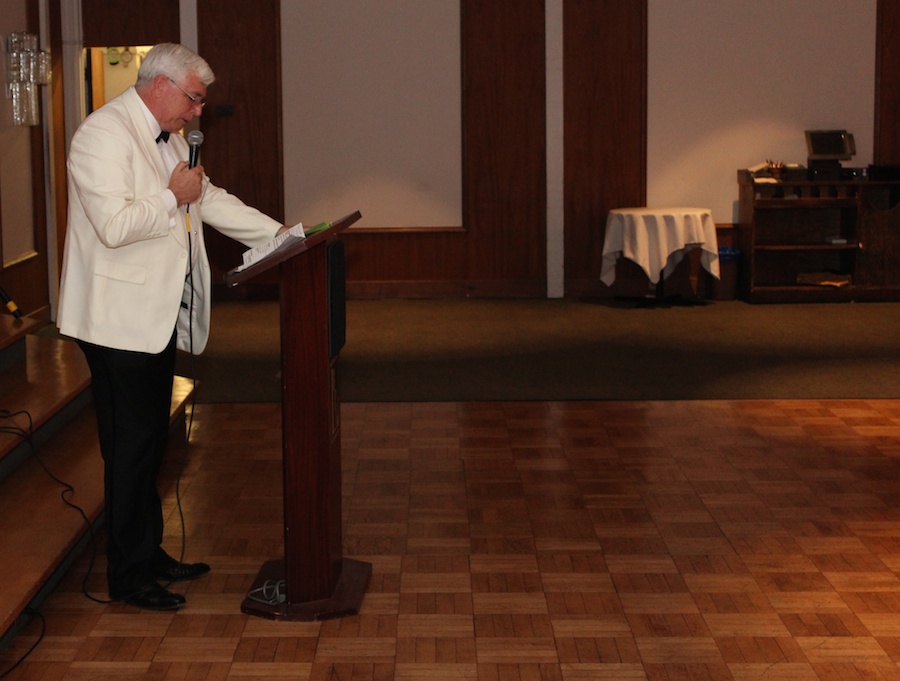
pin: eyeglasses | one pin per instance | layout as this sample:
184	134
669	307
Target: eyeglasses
196	101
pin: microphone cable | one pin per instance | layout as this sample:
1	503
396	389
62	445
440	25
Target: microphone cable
193	378
195	138
68	490
24	656
189	425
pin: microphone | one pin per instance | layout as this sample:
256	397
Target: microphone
195	139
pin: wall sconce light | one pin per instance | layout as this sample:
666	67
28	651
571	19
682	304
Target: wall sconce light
26	68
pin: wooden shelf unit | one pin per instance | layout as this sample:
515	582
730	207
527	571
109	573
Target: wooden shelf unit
788	229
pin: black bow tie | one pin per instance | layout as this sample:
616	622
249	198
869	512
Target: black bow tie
163	136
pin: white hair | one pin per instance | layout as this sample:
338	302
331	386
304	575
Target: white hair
176	62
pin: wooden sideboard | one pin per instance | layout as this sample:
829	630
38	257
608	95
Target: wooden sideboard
819	240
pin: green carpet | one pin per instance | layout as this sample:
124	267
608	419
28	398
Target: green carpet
464	350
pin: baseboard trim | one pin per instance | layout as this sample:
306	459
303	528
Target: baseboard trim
367	290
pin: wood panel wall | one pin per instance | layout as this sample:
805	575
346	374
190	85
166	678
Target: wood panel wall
242	150
887	84
500	249
125	22
605	123
25	280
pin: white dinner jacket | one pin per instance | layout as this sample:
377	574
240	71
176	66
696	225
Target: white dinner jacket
123	276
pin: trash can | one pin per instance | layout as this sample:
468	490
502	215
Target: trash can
726	288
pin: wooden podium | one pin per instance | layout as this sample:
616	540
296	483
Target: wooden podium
313	581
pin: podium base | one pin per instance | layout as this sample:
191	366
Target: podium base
345	601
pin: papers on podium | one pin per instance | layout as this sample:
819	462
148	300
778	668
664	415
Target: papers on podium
282	246
254	255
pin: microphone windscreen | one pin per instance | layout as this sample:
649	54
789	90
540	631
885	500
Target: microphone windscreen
195	138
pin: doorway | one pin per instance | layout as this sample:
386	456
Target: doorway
109	71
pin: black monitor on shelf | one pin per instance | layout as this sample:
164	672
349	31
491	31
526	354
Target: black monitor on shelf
830	145
826	149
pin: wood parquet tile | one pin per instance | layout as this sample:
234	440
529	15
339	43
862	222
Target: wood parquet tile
585	541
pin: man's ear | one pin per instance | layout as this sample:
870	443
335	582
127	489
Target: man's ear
159	83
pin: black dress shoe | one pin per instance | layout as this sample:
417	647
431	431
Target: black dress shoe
154	597
180	572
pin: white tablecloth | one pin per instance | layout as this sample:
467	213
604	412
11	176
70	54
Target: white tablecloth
657	239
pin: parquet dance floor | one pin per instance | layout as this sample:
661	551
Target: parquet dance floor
573	541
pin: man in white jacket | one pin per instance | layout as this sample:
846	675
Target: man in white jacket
135	285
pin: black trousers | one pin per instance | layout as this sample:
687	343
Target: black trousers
132	394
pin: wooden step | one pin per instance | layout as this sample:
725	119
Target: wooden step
50	384
12	339
38	531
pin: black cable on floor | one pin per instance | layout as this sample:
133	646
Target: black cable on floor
26	434
34	613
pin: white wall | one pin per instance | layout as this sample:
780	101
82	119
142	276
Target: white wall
372	111
731	84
